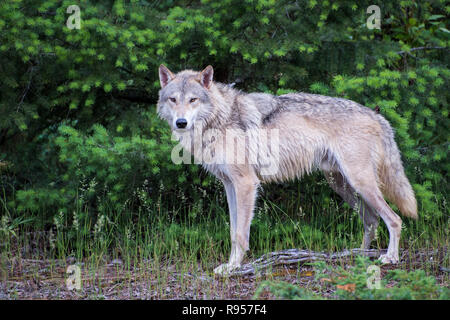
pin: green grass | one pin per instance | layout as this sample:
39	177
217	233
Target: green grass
169	248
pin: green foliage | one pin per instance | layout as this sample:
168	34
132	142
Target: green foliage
285	290
106	168
351	283
77	107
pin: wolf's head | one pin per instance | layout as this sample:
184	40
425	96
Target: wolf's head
184	98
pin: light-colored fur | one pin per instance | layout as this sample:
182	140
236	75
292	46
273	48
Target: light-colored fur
351	144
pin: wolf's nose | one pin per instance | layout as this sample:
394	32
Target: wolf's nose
181	123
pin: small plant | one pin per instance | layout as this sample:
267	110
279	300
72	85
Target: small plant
285	290
354	282
359	282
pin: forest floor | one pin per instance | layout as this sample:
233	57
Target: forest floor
115	279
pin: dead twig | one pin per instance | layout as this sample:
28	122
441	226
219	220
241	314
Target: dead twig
296	256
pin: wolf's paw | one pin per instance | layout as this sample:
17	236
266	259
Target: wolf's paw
388	259
225	269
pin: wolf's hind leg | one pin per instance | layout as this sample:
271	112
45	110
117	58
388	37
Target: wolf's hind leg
369	216
362	178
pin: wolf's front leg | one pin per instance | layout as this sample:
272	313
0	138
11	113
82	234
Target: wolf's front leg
243	192
232	207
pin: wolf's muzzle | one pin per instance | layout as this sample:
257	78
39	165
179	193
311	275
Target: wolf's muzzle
181	123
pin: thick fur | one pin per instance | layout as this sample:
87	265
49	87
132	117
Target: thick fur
351	144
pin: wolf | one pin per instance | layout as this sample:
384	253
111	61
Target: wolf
351	144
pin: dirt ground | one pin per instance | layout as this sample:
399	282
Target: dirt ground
43	279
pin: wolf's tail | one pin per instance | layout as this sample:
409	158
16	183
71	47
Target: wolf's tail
395	184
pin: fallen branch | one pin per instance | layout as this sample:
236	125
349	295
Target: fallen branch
422	48
296	256
408	52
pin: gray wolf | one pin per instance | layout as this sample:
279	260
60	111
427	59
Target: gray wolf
351	144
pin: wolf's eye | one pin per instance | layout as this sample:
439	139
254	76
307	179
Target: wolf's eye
193	100
173	99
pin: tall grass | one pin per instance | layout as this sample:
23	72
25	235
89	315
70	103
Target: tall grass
171	241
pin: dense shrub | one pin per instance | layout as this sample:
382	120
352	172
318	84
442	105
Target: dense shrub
77	110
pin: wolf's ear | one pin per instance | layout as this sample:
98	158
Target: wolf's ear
165	75
206	77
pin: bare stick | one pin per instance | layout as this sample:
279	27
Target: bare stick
296	256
